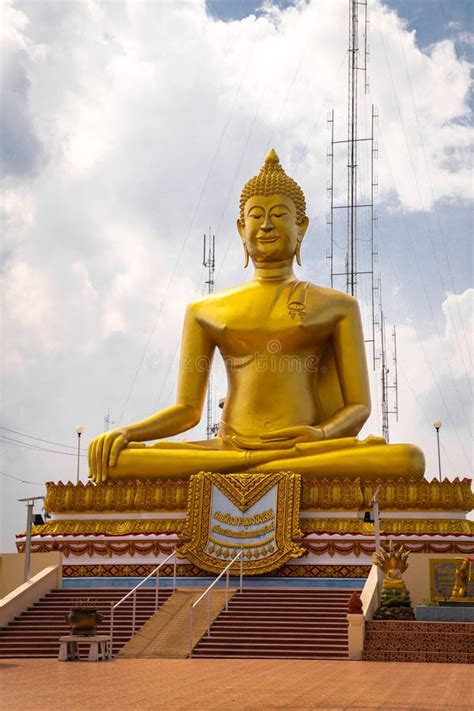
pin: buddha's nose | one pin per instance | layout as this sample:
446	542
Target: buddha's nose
267	225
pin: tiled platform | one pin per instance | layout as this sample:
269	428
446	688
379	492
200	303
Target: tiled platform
234	685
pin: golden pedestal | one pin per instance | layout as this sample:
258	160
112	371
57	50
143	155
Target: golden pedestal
122	529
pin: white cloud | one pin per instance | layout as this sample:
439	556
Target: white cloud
435	383
17	211
458	310
466	38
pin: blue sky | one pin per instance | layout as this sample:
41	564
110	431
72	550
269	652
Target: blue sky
129	128
429	18
433	20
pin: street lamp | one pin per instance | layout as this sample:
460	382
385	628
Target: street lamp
374	505
30	502
79	431
437	425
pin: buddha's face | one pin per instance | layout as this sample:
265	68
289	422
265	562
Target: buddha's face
269	230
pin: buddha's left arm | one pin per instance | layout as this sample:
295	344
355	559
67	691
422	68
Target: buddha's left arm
349	354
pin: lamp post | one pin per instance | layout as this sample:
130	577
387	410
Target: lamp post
437	425
30	502
374	504
79	431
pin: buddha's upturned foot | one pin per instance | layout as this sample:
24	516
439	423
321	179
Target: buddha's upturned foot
345	458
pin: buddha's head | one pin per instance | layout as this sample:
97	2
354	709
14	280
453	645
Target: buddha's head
273	220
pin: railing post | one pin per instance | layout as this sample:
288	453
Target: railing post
134	607
174	573
241	569
191	632
227	591
208	614
111	628
157	587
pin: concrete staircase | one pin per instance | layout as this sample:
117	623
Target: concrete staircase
280	623
35	633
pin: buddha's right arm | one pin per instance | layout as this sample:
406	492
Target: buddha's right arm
165	423
196	357
195	363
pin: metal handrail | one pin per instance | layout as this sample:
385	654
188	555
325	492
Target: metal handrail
155	571
208	590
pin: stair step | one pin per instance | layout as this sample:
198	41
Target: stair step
270	616
271	634
263	655
268	642
262	627
53	637
279	645
291	598
278	609
58	625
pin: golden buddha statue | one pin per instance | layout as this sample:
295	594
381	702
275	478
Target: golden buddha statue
393	563
294	354
462	577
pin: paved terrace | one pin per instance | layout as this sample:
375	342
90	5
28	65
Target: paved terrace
233	685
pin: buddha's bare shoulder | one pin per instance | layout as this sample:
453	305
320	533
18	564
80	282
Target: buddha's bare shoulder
210	302
340	303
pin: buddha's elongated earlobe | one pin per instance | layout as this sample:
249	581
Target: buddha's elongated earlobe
298	253
246	256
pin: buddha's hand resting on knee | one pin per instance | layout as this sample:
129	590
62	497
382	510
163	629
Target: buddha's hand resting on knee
103	453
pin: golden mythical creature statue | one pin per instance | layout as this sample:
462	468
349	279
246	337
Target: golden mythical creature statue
463	577
393	562
294	354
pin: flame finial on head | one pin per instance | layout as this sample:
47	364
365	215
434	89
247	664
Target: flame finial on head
273	180
272	157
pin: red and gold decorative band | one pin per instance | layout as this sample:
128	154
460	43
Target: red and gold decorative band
190	571
154	548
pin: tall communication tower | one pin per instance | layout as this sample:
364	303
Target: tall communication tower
354	270
108	421
387	387
209	261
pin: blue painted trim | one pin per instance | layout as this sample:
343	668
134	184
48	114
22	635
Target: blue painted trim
429	613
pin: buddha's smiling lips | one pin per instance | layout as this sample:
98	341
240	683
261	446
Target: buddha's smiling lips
267	240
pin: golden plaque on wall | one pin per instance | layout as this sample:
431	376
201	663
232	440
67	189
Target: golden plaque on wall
253	512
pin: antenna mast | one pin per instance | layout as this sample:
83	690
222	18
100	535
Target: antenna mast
385	372
108	421
352	264
358	264
209	261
